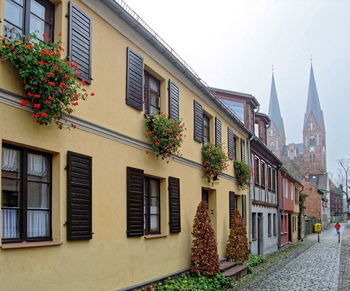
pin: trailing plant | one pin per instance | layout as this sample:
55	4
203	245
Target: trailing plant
197	282
237	244
204	257
302	198
253	261
243	173
50	82
214	161
165	133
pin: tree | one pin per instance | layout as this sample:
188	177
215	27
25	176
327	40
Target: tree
237	244
292	167
204	258
344	175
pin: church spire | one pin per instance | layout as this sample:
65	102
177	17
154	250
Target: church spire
313	103
274	107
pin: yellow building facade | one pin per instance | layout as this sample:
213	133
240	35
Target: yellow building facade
110	136
295	217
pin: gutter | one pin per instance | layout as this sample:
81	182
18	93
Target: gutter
278	207
251	190
137	26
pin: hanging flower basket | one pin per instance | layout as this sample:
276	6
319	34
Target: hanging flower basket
214	161
166	134
242	173
50	82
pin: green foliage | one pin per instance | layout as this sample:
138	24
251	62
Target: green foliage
50	82
302	198
253	261
214	161
196	282
242	173
166	134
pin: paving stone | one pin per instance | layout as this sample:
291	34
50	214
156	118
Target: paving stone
321	267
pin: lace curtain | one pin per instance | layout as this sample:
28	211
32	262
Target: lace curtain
10	160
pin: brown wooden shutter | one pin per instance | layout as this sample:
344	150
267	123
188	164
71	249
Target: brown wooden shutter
232	205
173	100
230	143
79	41
79	197
134	192
174	205
198	121
134	80
218	134
244	208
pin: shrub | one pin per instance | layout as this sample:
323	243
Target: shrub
214	161
166	134
204	258
253	261
237	244
242	173
50	83
197	282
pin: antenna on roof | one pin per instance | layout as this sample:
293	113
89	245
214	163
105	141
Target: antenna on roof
311	59
273	68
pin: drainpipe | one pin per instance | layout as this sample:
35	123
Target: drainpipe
251	190
278	207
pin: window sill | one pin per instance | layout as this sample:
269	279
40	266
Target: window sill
22	245
149	236
269	235
254	239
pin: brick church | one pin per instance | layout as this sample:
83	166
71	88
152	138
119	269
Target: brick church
310	155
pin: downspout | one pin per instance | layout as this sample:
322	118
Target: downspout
251	190
278	207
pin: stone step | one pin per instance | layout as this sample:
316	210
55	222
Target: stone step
236	272
227	265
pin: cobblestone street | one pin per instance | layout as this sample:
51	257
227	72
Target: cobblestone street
318	268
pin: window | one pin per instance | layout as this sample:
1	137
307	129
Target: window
152	206
256	171
152	94
274	180
205	196
274	224
26	195
236	107
23	17
254	226
292	192
243	150
269	170
269	224
262	174
206	128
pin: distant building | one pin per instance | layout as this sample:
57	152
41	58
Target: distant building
336	199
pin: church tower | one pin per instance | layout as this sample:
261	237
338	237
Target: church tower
276	138
314	133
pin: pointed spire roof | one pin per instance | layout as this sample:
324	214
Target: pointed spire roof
313	103
274	107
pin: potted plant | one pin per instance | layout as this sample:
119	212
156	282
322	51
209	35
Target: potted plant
166	134
242	173
50	82
214	161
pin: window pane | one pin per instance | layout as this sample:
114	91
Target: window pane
37	223
38	196
10	193
38	9
154	85
13	13
37	26
154	99
153	188
10	163
9	223
38	169
154	226
154	206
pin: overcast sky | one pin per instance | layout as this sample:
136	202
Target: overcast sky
233	45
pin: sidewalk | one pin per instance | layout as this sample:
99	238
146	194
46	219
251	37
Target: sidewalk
274	262
344	278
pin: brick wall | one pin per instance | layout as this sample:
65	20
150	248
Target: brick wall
312	202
